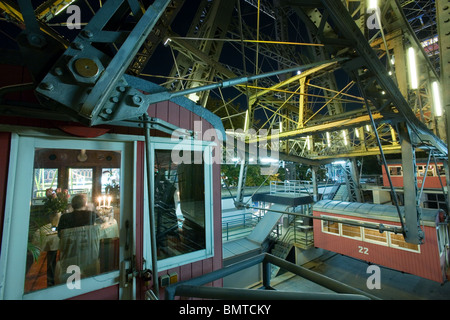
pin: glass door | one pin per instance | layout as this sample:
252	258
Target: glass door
66	230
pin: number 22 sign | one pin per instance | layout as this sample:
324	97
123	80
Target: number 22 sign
363	250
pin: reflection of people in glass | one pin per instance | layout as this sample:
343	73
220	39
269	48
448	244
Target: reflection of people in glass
79	239
79	217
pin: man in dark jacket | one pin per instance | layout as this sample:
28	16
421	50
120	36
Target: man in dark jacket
79	217
79	240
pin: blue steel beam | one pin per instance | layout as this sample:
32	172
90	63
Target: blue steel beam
347	27
143	101
117	67
85	79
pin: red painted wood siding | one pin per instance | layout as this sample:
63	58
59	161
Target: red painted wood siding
431	182
425	264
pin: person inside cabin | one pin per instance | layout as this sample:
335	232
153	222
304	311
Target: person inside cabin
80	216
79	233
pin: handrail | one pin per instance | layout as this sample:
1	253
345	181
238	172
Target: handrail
289	186
193	287
245	223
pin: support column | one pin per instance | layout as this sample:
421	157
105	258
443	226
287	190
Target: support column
315	185
443	25
356	179
400	65
413	233
302	103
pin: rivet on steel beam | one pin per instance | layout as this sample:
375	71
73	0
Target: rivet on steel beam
47	86
58	71
78	46
137	99
88	33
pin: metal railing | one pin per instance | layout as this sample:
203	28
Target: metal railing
290	186
195	288
238	225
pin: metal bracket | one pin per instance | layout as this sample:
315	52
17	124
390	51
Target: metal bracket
129	270
91	83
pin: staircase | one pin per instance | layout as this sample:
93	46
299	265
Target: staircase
297	235
354	193
348	191
267	224
341	193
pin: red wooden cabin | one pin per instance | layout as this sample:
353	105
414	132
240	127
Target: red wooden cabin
106	162
428	260
433	178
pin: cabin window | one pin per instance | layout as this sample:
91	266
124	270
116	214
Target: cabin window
351	231
372	235
421	171
44	178
330	227
395	171
80	181
179	206
441	170
182	202
398	241
73	217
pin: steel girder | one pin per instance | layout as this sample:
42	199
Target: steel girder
90	83
415	134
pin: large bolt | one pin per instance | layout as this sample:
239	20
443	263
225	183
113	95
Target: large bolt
88	34
86	67
78	46
137	99
47	86
58	71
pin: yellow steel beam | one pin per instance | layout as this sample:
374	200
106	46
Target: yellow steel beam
52	8
292	79
389	149
13	11
329	126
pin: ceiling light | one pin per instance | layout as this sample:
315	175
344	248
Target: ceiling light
437	99
412	69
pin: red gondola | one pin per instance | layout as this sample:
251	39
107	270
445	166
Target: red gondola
432	178
428	260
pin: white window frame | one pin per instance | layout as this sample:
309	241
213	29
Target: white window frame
441	172
364	239
394	246
328	232
349	237
388	242
396	166
17	207
207	149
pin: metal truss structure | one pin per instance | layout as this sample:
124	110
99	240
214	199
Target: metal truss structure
328	79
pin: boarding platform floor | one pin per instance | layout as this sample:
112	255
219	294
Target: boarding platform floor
394	285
